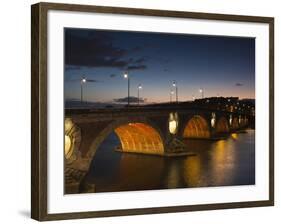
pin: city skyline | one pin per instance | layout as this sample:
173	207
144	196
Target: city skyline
223	66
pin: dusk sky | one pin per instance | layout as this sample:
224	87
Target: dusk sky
223	66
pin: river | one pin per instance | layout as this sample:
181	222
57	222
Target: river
225	162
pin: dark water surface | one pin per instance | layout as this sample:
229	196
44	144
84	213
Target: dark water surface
216	163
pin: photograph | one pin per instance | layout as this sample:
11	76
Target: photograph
157	111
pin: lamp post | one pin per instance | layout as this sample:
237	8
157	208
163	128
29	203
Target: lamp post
139	88
171	96
82	81
202	92
126	76
175	85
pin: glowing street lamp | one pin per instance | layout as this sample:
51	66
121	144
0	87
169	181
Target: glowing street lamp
171	96
176	86
126	76
193	97
83	81
202	92
139	88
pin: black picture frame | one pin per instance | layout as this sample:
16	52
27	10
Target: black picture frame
39	108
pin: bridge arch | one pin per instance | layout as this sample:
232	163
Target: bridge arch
222	125
197	127
235	123
72	140
139	137
136	135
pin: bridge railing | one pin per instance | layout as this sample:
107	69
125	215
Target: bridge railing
134	109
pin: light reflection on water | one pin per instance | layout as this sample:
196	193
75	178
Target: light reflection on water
216	163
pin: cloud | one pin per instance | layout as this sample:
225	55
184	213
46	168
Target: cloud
92	51
72	67
140	60
95	49
136	67
133	99
238	84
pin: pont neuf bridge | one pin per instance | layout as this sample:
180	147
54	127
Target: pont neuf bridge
156	131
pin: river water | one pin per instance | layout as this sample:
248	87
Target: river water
215	163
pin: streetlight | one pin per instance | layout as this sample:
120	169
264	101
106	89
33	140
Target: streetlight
193	97
126	76
202	92
175	85
171	95
139	88
82	81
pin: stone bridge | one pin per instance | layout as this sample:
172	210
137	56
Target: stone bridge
157	131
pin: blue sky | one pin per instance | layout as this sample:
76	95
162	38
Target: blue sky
220	65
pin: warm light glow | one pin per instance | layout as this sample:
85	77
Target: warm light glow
200	90
84	80
223	153
196	127
174	83
234	136
222	125
67	146
235	124
68	125
173	123
173	127
192	169
213	120
140	137
240	119
72	140
140	86
230	119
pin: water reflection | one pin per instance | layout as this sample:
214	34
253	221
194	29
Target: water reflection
222	162
192	171
217	163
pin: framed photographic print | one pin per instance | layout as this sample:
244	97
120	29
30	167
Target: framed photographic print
138	111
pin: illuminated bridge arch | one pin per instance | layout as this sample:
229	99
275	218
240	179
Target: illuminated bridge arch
138	135
235	123
72	140
197	127
222	125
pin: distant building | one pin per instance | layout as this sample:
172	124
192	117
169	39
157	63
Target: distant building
231	104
